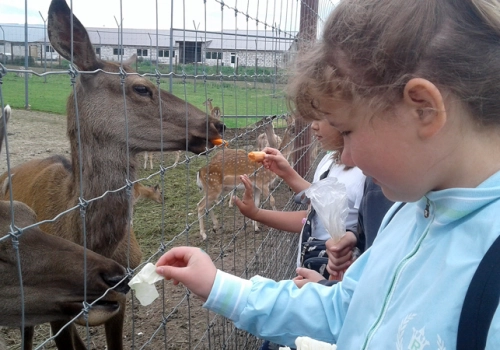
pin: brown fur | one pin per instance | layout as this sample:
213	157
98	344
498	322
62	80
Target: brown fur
53	284
51	186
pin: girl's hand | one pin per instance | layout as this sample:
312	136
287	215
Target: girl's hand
340	253
190	266
305	275
246	205
276	162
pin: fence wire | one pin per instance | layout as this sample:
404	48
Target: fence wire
241	66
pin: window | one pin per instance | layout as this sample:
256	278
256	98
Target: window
97	50
165	53
233	57
142	52
49	48
117	52
213	55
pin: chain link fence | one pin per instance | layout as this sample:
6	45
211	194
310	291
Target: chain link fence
241	69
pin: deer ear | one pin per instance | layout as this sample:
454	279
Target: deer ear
59	29
131	60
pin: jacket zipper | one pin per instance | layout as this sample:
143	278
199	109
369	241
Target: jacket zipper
402	264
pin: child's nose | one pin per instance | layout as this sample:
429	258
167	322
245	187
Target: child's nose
346	157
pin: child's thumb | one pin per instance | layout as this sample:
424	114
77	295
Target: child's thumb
166	271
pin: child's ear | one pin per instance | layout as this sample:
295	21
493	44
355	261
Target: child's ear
426	104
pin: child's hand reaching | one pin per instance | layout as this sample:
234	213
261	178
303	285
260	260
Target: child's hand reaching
190	266
246	205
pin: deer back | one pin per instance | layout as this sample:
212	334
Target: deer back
225	168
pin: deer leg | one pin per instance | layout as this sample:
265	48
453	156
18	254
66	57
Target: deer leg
177	156
214	220
231	195
151	161
114	328
256	199
272	201
145	159
68	337
201	213
29	332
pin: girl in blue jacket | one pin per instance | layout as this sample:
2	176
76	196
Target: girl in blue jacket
414	88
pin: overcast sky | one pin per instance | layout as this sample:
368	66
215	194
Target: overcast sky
141	14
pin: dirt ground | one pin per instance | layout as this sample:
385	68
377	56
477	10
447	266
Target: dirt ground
34	135
175	320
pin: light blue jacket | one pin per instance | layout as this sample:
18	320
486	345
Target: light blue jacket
405	292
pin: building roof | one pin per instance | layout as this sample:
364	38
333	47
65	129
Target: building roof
239	40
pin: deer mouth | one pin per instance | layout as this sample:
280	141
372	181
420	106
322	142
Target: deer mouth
198	145
100	312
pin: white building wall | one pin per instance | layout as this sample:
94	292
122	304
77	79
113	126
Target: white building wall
107	53
247	58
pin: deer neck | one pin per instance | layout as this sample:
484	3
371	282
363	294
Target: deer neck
271	136
103	165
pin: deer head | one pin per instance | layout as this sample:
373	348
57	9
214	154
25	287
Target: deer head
156	118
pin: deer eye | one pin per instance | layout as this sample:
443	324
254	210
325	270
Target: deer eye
142	90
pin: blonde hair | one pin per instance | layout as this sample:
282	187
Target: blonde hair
371	49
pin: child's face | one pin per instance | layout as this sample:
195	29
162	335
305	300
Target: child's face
329	137
385	147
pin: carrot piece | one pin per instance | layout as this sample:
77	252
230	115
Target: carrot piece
218	142
256	156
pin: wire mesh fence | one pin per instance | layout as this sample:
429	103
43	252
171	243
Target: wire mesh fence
114	114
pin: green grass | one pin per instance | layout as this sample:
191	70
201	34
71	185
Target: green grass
236	98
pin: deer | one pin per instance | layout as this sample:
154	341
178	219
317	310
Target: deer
102	154
215	112
150	155
51	263
150	192
223	172
269	137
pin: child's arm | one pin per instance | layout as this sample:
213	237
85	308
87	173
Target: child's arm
290	221
260	306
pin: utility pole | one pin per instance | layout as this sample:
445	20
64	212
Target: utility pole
307	35
44	47
195	52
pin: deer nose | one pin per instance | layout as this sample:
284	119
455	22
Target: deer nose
121	283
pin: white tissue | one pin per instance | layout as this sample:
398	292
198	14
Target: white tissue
306	343
143	284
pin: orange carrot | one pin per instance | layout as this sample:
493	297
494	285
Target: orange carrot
256	156
218	142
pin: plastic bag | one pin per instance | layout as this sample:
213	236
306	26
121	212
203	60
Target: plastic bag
329	199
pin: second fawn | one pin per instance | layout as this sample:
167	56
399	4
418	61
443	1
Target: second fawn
223	173
214	111
148	192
